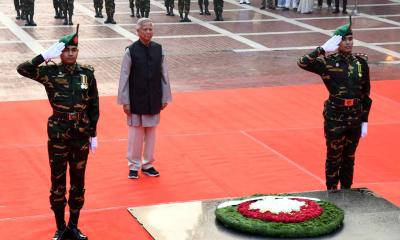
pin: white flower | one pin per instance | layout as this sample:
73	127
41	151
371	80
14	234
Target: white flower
277	205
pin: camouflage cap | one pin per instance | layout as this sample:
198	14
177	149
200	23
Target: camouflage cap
344	30
71	39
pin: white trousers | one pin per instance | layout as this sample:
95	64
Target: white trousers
139	139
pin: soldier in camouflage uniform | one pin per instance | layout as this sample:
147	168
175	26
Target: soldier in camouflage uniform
110	10
144	6
98	7
169	5
72	93
184	7
68	10
218	8
132	7
346	76
58	9
29	11
205	2
17	5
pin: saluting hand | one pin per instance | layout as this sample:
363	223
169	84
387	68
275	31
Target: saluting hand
332	44
54	51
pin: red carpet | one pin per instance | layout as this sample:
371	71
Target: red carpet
210	144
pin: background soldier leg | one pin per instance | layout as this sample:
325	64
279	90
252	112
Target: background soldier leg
206	4
98	6
184	7
350	146
132	7
218	7
110	10
23	8
169	4
335	140
17	6
70	11
200	2
146	7
58	156
29	12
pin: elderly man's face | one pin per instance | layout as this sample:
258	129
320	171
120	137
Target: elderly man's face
146	32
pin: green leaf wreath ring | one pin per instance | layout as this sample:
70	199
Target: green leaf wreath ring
328	221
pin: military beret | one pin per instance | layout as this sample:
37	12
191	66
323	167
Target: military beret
70	39
344	30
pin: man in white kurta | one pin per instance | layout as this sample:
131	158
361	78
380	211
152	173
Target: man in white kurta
142	127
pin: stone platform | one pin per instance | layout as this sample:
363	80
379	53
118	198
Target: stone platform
367	216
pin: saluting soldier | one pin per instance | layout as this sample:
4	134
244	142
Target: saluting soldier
98	7
29	11
68	10
346	77
184	7
72	92
110	10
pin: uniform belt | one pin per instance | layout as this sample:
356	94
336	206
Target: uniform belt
68	115
344	102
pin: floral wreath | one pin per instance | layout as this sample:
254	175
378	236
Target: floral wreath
281	216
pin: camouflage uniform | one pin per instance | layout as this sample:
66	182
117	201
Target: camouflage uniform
73	96
169	5
347	79
144	6
68	10
218	8
98	7
17	5
110	10
184	7
58	9
132	7
29	11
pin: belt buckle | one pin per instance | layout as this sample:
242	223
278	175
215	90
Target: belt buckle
72	116
348	102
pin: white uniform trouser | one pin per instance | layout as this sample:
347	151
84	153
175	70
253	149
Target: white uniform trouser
137	137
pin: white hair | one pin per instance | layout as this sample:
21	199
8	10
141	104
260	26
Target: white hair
143	21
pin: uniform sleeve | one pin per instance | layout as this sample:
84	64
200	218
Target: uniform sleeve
31	69
366	101
312	63
123	86
93	107
165	86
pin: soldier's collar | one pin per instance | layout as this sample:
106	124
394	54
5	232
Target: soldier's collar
346	57
70	68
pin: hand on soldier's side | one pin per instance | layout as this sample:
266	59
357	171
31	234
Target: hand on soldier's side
93	144
332	44
54	51
127	108
364	129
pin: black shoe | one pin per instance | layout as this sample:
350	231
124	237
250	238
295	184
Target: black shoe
59	235
76	233
152	172
133	174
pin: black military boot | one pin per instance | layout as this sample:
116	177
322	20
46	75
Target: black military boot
132	12
108	19
171	12
65	18
73	226
206	12
168	14
18	15
186	19
70	19
31	22
101	13
146	14
181	16
220	16
112	21
61	227
97	13
201	9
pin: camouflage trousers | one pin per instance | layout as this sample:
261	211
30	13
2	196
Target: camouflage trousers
64	149
144	5
218	5
57	4
184	6
110	6
169	3
205	2
268	3
67	6
28	7
98	3
341	142
17	5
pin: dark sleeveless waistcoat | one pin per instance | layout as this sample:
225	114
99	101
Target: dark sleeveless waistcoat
145	90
